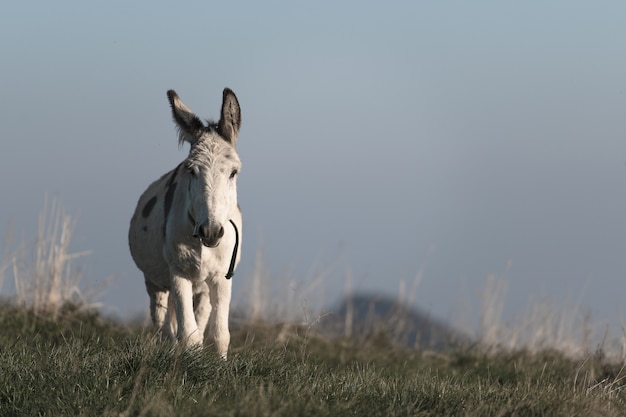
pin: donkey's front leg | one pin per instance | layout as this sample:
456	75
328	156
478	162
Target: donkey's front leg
201	306
220	294
182	291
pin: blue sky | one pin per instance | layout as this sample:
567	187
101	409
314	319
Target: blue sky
453	136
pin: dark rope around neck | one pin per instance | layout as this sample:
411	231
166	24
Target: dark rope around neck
233	258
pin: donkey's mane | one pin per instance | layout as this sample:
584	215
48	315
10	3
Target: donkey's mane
199	129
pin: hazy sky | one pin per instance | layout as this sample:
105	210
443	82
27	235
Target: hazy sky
450	136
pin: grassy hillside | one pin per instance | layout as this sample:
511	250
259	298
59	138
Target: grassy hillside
81	365
57	359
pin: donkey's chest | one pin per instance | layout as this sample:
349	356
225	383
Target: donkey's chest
198	264
213	264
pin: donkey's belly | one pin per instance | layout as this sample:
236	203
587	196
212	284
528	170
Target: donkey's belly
148	256
145	238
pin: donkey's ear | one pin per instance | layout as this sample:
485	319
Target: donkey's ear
230	117
190	127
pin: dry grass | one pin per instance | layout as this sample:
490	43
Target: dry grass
545	325
45	280
42	272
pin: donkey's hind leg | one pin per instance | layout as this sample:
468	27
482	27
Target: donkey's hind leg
159	309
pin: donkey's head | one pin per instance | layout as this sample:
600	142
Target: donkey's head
211	168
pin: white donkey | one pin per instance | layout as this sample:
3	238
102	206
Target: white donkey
186	231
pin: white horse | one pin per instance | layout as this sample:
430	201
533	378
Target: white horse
186	231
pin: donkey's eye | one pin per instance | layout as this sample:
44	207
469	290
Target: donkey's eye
233	174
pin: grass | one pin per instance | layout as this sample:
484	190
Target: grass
60	357
80	364
42	272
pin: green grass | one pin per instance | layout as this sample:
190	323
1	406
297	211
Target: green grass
82	365
59	360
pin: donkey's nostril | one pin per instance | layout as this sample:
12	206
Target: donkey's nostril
201	230
210	237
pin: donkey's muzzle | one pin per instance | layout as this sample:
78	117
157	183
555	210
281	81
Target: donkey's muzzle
209	236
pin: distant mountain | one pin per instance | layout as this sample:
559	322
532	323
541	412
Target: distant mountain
363	316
